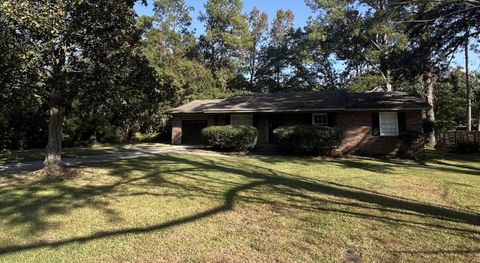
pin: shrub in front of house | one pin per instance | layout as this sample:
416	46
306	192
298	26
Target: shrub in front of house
139	137
231	137
413	145
306	139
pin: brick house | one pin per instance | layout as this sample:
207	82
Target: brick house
369	122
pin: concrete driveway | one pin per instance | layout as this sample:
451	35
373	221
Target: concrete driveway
133	151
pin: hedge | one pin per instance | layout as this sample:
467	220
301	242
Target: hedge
306	139
231	138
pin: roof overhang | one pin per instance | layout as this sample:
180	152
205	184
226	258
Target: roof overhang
226	111
268	110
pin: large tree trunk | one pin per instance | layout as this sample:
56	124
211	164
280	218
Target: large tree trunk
428	82
53	158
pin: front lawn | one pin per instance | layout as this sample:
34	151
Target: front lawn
192	208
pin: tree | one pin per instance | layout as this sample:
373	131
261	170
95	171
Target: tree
364	34
319	58
258	25
73	47
417	61
469	88
450	94
476	83
171	20
281	26
168	45
276	53
451	24
296	59
226	39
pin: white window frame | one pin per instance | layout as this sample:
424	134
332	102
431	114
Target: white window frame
320	114
383	115
246	116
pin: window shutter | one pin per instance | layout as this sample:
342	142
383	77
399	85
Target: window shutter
332	119
402	122
375	124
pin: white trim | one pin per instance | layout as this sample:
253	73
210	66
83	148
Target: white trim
320	114
382	115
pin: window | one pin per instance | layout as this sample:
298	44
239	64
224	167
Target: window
320	118
388	123
241	119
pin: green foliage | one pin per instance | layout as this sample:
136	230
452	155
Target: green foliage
258	27
306	139
275	57
450	102
447	23
79	57
139	137
169	47
366	83
226	38
184	80
296	60
281	26
364	34
231	138
168	29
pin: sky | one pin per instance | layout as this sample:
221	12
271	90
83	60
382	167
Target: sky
302	13
301	10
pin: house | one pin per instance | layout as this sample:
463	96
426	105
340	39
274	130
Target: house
369	122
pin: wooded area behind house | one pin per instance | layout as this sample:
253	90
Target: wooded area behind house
75	72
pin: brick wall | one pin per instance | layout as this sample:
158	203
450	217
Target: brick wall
356	128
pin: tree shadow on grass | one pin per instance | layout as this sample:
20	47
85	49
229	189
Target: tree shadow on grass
382	165
29	208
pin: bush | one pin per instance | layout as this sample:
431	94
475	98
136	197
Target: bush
306	139
467	147
139	137
231	138
413	145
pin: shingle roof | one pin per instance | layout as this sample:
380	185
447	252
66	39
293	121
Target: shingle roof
385	100
335	100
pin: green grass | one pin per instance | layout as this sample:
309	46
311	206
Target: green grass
18	156
191	208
